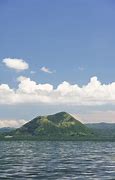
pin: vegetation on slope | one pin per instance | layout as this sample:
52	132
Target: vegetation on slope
60	125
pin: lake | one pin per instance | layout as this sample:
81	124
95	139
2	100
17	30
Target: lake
57	160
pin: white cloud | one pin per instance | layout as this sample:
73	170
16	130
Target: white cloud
28	86
46	70
28	91
12	123
17	64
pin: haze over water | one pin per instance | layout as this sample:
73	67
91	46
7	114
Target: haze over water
57	160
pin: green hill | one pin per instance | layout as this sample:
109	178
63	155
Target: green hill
60	125
106	130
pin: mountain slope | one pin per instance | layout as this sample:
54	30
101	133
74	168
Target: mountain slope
102	129
58	125
6	129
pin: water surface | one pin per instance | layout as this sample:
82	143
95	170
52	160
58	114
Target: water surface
57	160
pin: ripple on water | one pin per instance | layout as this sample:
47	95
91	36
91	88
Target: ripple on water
57	160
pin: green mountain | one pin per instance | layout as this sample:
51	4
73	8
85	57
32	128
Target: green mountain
6	129
60	125
103	129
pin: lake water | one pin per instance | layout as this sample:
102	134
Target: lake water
57	160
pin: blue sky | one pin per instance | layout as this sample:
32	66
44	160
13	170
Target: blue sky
73	39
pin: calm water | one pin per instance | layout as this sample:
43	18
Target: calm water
57	160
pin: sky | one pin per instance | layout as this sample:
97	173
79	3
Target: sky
57	55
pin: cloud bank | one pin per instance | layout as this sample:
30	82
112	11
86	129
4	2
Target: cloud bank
17	64
28	91
12	123
98	116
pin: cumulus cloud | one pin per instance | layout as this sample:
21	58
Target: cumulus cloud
28	91
17	64
12	123
46	70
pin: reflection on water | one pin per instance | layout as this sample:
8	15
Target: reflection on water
57	160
